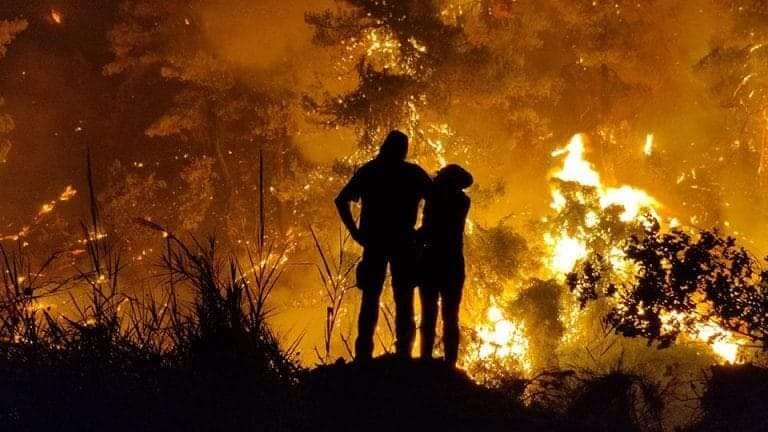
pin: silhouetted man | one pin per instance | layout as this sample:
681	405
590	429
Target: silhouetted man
390	190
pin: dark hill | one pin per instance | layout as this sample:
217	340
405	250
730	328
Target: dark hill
390	394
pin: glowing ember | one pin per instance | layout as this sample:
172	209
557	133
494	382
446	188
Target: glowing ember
648	146
46	208
56	16
68	193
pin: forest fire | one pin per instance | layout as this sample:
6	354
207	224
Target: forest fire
568	244
501	339
171	165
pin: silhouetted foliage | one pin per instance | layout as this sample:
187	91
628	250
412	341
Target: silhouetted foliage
734	400
617	401
682	281
123	363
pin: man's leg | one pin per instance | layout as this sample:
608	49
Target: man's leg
428	295
450	300
403	285
370	279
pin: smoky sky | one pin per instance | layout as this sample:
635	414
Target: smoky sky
53	84
62	103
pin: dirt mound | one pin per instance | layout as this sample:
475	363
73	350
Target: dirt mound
393	394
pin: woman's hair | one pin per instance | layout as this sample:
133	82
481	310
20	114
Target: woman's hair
395	146
454	176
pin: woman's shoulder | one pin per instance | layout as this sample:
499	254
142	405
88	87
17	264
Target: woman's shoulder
457	200
464	198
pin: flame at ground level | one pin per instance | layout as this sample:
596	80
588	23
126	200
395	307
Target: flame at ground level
724	344
502	337
567	246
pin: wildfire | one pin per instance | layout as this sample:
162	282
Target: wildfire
68	193
502	337
577	169
501	344
566	250
722	342
48	207
569	243
384	47
384	51
568	246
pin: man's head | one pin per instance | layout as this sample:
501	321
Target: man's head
395	147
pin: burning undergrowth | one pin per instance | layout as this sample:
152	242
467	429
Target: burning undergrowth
596	245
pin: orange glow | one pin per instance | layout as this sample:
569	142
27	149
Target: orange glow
502	337
56	16
567	246
648	146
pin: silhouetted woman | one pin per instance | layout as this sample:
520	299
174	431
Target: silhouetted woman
442	272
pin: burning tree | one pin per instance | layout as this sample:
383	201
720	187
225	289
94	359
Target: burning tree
218	115
401	53
590	245
734	72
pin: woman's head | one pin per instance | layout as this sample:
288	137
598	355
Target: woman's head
454	176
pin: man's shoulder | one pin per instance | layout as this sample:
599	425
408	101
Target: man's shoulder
415	169
365	168
368	165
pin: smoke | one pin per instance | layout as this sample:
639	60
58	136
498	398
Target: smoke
259	34
271	40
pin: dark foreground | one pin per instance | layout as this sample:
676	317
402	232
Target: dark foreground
224	393
390	394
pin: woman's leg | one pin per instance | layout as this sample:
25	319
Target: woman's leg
451	300
428	296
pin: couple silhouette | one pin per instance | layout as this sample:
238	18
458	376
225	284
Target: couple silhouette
390	190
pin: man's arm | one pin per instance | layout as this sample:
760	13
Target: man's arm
345	213
348	194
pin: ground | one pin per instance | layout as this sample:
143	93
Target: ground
392	394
